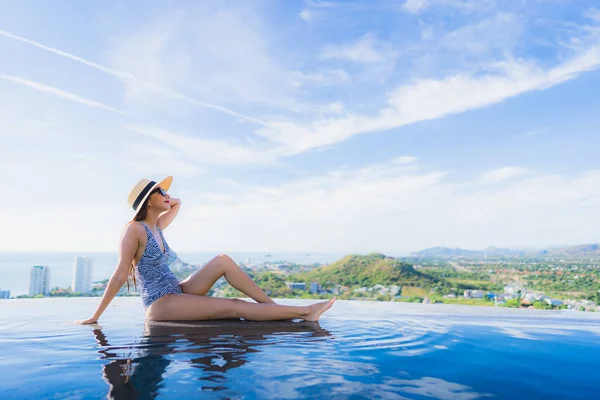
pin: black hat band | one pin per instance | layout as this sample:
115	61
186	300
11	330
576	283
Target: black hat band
142	194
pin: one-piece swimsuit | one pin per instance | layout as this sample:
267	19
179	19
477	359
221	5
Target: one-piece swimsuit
152	271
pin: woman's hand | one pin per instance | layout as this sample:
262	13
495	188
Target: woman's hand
87	321
173	201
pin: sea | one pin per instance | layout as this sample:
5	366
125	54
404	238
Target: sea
15	268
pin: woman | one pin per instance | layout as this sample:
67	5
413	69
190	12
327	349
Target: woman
145	256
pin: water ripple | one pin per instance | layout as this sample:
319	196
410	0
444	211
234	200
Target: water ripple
403	337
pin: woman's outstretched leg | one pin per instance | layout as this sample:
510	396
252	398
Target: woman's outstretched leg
200	282
186	307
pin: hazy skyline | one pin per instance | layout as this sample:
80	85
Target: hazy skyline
352	126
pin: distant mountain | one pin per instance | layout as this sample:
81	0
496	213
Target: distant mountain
579	251
368	270
446	252
490	251
182	269
591	250
503	251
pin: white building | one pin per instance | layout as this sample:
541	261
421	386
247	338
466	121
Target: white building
82	275
553	302
39	282
4	294
512	289
474	294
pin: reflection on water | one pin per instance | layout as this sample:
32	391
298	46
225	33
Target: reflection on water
214	347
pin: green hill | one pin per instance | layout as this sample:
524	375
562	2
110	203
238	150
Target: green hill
368	270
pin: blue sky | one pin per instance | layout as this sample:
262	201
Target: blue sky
302	125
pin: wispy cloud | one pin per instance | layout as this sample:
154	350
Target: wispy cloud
206	151
306	15
424	99
428	99
381	197
466	6
327	77
534	132
214	51
415	6
61	93
366	50
132	78
61	53
500	32
153	160
502	174
324	4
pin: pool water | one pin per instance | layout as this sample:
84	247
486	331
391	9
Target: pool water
359	350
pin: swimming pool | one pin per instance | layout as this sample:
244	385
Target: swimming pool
358	350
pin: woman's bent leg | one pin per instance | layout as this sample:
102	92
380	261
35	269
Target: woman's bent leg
200	282
180	307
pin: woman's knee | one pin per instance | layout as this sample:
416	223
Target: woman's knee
225	259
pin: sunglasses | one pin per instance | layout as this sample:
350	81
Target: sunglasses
159	190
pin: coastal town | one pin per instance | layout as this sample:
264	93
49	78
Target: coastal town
517	283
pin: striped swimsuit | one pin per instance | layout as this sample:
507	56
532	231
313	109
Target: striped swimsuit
153	273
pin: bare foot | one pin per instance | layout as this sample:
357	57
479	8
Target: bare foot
315	310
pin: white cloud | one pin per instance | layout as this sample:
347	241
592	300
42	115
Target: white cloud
206	151
392	206
147	56
365	51
465	6
326	77
154	55
500	31
213	51
306	15
61	53
336	107
324	4
404	160
415	6
152	160
134	80
502	174
61	93
594	14
427	99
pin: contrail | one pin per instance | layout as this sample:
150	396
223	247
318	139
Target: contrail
134	78
61	93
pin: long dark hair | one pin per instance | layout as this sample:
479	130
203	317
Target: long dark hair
141	215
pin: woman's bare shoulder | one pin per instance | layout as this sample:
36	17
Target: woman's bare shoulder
134	228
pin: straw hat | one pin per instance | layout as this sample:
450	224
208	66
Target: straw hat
141	190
